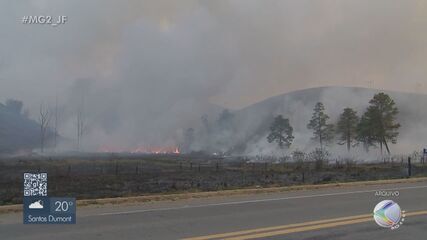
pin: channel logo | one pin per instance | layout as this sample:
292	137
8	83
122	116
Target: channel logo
388	214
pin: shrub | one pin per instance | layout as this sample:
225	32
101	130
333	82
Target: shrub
319	157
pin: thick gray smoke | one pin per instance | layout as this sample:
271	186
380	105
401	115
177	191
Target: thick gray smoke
145	70
298	107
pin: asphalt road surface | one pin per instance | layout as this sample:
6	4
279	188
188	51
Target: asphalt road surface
335	213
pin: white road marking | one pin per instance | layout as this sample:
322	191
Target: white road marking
253	201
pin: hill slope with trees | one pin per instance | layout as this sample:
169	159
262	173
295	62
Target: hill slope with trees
249	127
17	131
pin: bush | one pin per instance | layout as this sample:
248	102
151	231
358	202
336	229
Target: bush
319	157
298	157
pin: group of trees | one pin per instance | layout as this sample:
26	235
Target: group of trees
376	127
213	136
49	131
46	130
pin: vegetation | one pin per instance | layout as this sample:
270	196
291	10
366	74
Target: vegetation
188	140
44	120
104	176
225	120
319	156
223	130
378	124
347	128
322	130
376	127
281	132
17	131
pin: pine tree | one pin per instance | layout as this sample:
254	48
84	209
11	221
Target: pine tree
366	130
385	112
347	127
322	130
380	124
281	132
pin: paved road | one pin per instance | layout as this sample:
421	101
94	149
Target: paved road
337	213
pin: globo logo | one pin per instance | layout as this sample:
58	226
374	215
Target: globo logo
388	214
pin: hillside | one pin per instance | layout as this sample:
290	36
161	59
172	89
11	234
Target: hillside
255	119
17	132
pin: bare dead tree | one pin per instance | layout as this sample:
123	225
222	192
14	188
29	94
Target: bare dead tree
56	122
44	119
80	124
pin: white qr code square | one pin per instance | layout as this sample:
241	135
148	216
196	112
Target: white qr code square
35	184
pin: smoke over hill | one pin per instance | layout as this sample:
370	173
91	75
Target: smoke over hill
241	131
251	124
141	72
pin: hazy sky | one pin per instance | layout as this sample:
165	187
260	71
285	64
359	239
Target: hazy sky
157	61
253	49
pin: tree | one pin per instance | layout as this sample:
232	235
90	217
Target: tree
206	133
14	106
322	130
347	127
188	139
366	130
223	135
80	125
44	119
379	121
205	123
55	130
225	120
281	132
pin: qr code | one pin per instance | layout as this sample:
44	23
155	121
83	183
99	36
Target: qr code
35	184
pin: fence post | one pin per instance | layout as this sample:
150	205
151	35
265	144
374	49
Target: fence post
424	156
409	167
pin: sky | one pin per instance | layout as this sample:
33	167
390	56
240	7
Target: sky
153	60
